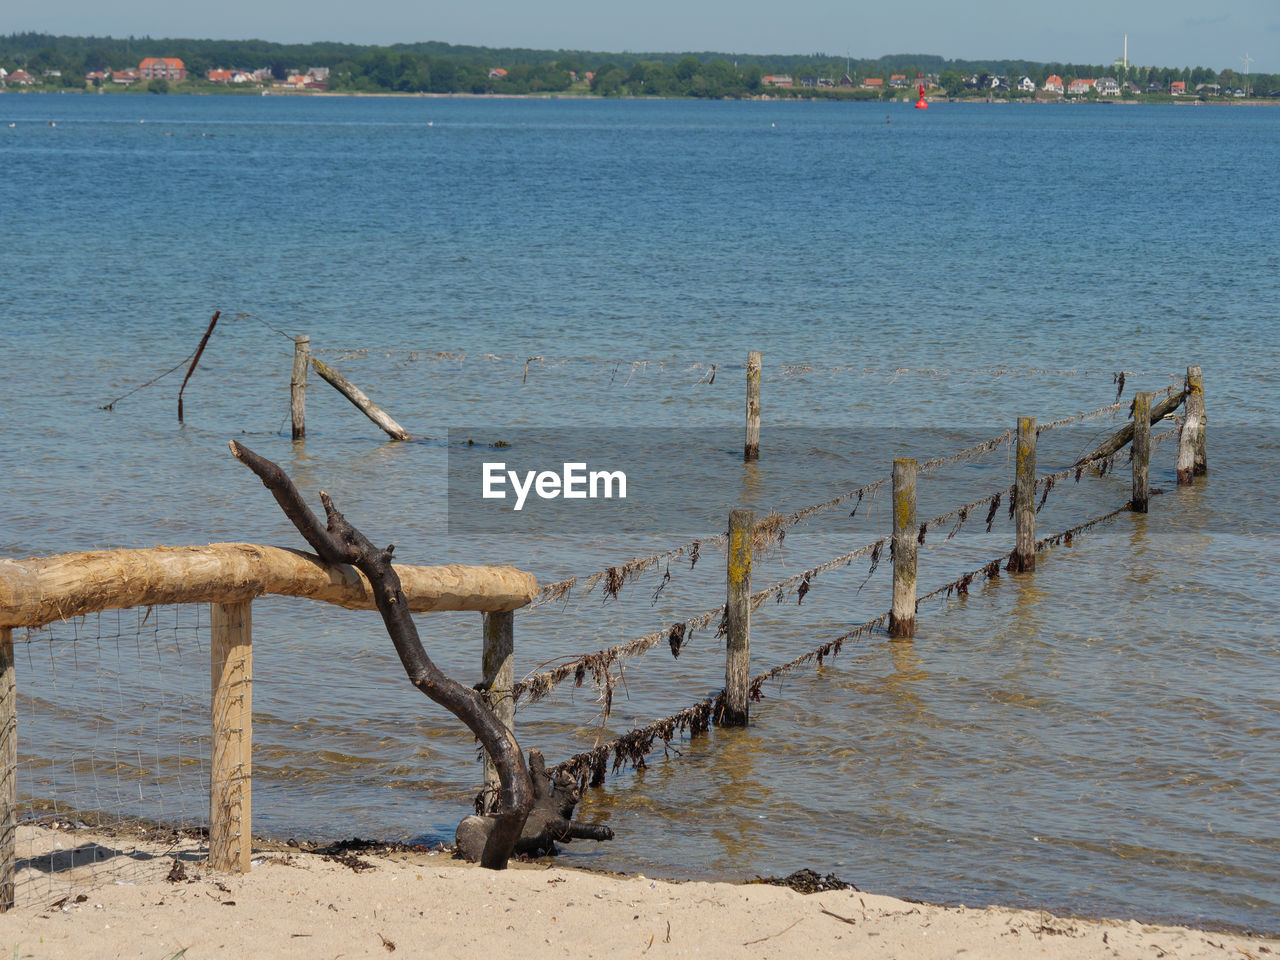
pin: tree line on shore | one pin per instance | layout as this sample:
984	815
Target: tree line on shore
432	67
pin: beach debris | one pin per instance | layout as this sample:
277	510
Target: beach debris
550	821
177	873
807	881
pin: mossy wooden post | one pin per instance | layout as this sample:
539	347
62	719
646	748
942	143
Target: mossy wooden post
1190	435
751	450
8	768
298	386
1195	397
902	616
498	666
737	662
1023	558
230	776
1141	452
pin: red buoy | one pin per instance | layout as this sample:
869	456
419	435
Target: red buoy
920	104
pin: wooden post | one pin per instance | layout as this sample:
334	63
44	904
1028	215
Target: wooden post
498	666
8	768
1023	558
1122	436
902	616
362	402
737	646
230	777
298	386
751	450
1195	397
1189	437
1141	451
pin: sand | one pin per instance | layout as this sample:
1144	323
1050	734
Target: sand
414	904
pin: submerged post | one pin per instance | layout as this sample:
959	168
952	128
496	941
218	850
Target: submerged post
1141	451
737	661
230	776
902	616
1023	558
1189	436
1195	397
751	450
360	399
298	386
8	769
499	671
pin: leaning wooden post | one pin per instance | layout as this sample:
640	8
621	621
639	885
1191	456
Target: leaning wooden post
298	386
498	667
1195	397
751	450
737	661
1141	451
902	616
1023	558
8	769
230	777
360	399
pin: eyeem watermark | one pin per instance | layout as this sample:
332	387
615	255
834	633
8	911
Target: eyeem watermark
574	482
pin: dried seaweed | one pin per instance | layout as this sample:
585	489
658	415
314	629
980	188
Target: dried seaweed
676	639
1013	501
1048	485
991	514
806	881
1118	380
924	528
802	590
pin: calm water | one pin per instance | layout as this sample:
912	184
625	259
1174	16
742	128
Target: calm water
1100	737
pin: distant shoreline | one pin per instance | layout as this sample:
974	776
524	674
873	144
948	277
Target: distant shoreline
763	98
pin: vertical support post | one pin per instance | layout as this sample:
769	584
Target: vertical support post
1189	436
230	777
751	450
737	647
298	385
1141	452
1195	399
8	768
902	616
499	670
1023	559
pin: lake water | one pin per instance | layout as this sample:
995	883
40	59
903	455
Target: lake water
1099	737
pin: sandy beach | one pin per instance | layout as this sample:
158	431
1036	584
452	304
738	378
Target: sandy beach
126	898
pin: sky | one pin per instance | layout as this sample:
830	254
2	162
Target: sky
1172	33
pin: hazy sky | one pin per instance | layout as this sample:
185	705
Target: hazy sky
1161	32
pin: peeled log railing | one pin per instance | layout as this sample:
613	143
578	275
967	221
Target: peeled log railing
228	576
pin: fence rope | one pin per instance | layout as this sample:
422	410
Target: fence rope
589	767
597	665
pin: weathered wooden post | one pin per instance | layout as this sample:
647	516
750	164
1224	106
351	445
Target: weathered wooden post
737	662
902	616
1189	437
1141	451
8	769
499	671
1023	558
1195	397
298	385
230	776
751	450
360	400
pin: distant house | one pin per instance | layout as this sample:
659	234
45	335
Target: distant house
898	81
808	81
1027	85
1079	86
874	83
1053	84
497	73
846	81
1155	86
1178	88
777	80
1209	89
162	68
96	76
219	76
20	78
1107	87
320	74
124	78
3	73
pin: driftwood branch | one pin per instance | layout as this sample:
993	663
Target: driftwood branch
1125	434
337	541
